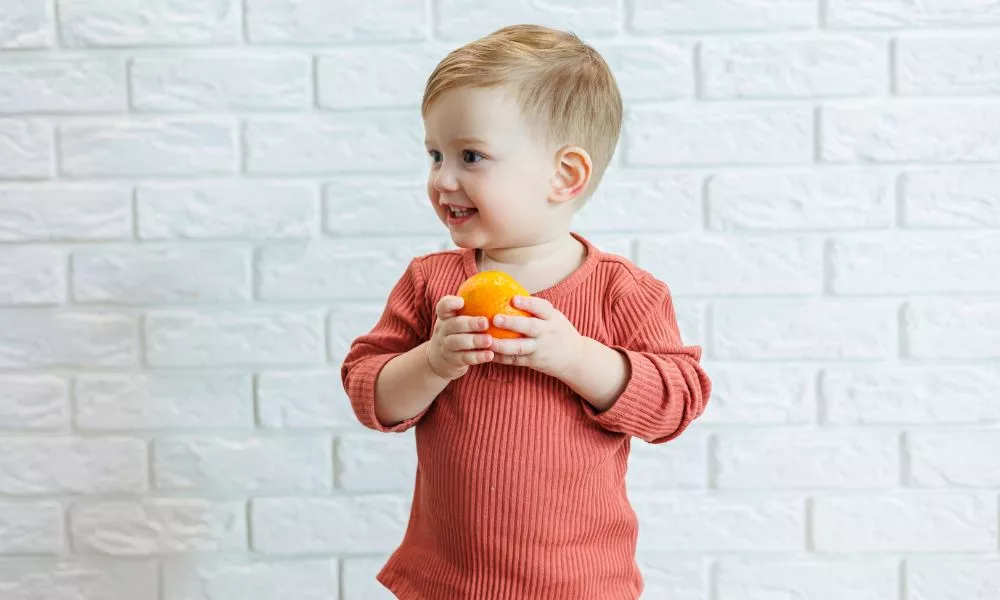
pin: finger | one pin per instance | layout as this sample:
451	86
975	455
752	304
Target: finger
466	325
529	326
448	306
540	307
477	357
466	341
518	347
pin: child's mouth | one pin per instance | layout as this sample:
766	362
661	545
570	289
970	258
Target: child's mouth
457	217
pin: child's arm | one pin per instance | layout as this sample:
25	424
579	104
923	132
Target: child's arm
647	385
405	387
385	373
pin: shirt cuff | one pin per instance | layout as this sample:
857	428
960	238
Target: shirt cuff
365	375
641	398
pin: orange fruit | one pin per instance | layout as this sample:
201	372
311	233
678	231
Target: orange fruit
491	293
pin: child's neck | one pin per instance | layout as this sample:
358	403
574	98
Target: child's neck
539	266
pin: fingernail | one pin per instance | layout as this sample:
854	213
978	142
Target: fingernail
498	320
484	323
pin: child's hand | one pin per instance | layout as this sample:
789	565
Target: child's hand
454	343
552	343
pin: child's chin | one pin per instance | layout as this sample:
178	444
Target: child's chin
463	241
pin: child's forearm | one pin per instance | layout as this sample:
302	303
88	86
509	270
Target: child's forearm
405	387
599	376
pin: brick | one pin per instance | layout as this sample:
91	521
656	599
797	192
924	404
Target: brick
244	464
78	579
34	402
26	149
904	13
807	329
163	401
225	337
221	83
905	522
728	265
952	329
816	200
62	213
946	459
655	202
683	16
140	275
215	210
952	578
461	21
375	76
698	522
902	264
32	276
73	466
951	198
376	463
149	147
948	66
63	85
25	24
157	526
46	338
342	524
31	528
756	579
717	134
665	575
650	71
317	21
335	143
760	395
182	22
358	579
900	132
335	270
691	319
911	395
797	68
681	464
314	579
776	459
380	206
303	399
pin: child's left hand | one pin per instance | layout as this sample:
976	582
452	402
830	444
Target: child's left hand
551	343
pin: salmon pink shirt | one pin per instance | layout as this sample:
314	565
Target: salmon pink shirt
520	485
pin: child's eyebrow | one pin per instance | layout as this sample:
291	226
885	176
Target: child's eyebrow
471	140
463	140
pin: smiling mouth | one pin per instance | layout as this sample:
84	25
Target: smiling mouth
460	213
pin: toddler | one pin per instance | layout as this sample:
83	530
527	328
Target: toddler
522	444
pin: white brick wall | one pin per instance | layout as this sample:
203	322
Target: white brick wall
203	201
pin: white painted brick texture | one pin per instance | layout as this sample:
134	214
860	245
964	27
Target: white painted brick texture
202	202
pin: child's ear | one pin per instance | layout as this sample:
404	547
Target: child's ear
573	172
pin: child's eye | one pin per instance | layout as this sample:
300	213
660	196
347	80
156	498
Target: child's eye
435	155
471	156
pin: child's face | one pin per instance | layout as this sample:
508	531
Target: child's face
485	160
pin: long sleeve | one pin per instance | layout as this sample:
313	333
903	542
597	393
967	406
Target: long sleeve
404	324
667	388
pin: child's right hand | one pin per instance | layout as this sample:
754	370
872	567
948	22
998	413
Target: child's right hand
455	344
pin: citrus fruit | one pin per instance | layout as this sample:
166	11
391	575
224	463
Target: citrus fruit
491	293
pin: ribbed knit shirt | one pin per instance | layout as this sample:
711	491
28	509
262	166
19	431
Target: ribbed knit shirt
520	484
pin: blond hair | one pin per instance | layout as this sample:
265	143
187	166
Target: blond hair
563	86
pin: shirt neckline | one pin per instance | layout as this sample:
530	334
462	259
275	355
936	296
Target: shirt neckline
561	287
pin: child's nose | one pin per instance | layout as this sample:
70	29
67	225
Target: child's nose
445	181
